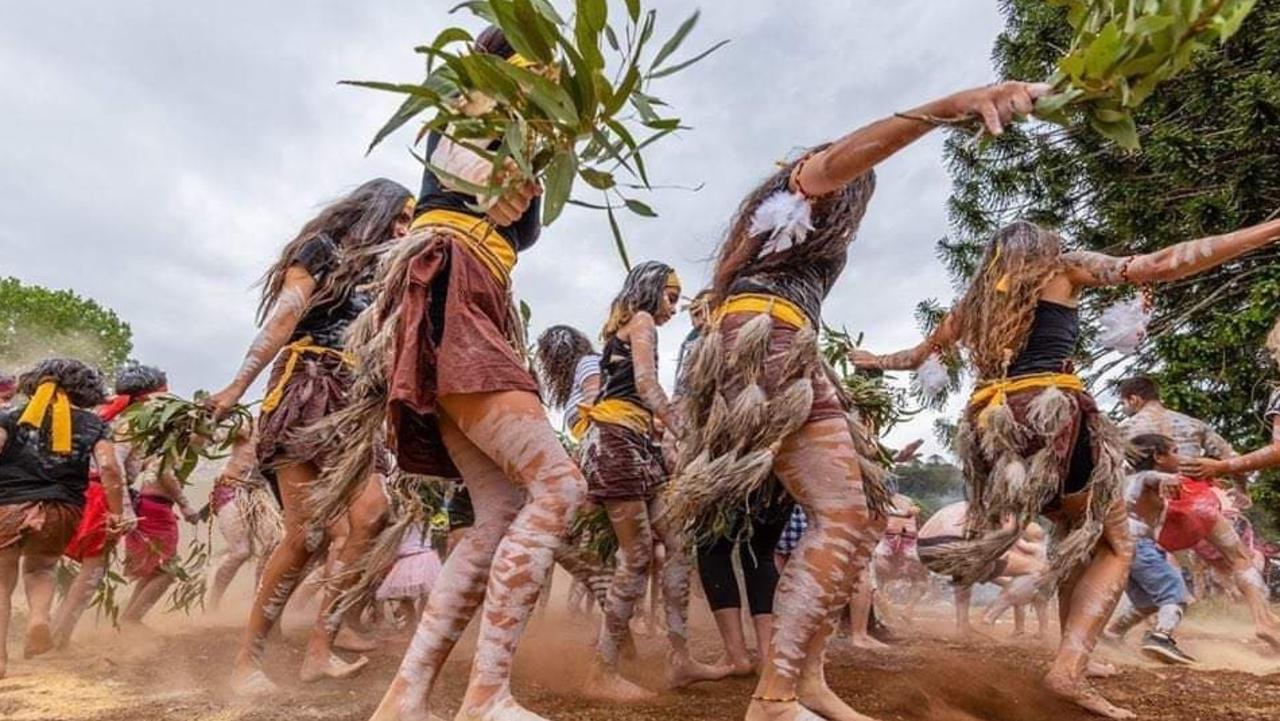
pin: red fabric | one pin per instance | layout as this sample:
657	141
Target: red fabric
473	353
114	407
1191	515
155	541
90	539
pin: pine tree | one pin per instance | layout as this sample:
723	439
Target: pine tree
1210	163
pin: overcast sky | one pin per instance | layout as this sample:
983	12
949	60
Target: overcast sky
157	155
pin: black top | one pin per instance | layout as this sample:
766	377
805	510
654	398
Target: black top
1052	341
327	324
30	471
521	234
618	372
805	274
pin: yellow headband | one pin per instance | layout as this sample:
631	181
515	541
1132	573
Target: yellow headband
410	203
673	280
49	398
521	61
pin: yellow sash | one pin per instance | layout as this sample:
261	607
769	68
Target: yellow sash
780	308
50	398
295	350
993	394
579	428
483	239
620	412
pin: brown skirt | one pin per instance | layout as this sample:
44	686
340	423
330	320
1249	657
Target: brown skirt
457	334
317	388
39	527
621	464
826	402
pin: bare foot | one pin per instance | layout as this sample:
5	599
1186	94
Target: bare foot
348	640
607	685
779	711
502	708
394	708
689	671
818	697
39	641
1100	669
740	667
865	642
314	669
1085	697
252	682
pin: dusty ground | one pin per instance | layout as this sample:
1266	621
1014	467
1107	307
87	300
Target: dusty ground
179	671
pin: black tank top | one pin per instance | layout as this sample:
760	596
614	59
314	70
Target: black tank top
618	372
1052	342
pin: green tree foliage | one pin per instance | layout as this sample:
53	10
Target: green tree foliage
932	483
38	323
1210	163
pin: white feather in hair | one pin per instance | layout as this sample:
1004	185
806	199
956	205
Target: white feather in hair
1124	325
786	217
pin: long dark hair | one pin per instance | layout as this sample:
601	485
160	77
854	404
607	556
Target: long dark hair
1146	448
841	214
643	290
560	347
359	225
998	307
83	384
135	379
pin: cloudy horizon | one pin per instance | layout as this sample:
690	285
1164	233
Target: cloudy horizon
160	155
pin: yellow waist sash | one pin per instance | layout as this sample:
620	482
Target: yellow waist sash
49	398
482	239
780	308
620	412
296	350
993	394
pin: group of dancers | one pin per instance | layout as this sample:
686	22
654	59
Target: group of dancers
391	347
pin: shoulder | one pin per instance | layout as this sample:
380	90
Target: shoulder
317	255
588	365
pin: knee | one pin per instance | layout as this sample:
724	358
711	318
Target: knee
636	557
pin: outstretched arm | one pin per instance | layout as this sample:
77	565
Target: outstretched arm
1266	457
944	336
644	355
289	308
1185	259
856	153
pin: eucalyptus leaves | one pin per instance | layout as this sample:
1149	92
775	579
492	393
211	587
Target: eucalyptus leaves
561	111
178	433
1123	49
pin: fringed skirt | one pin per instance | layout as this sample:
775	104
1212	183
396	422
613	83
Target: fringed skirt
256	509
752	381
456	333
621	464
1040	451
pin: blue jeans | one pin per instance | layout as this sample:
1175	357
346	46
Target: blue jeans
1153	581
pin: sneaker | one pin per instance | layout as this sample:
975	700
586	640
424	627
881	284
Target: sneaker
1162	647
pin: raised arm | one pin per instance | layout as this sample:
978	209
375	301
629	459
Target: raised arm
1185	259
943	336
644	355
289	308
863	149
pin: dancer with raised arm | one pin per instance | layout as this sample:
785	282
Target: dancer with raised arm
46	446
1032	438
310	296
760	401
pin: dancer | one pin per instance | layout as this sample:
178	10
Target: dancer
8	388
310	296
415	571
46	446
1155	586
895	557
1032	438
1140	400
569	369
625	472
451	381
757	389
92	544
246	514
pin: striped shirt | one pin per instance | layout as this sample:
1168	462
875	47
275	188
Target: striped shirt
588	365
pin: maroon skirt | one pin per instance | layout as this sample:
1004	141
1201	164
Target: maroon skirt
621	464
456	334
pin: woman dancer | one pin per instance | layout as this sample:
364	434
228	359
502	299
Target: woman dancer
1032	439
459	400
94	540
310	295
569	368
45	450
759	399
625	472
246	514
